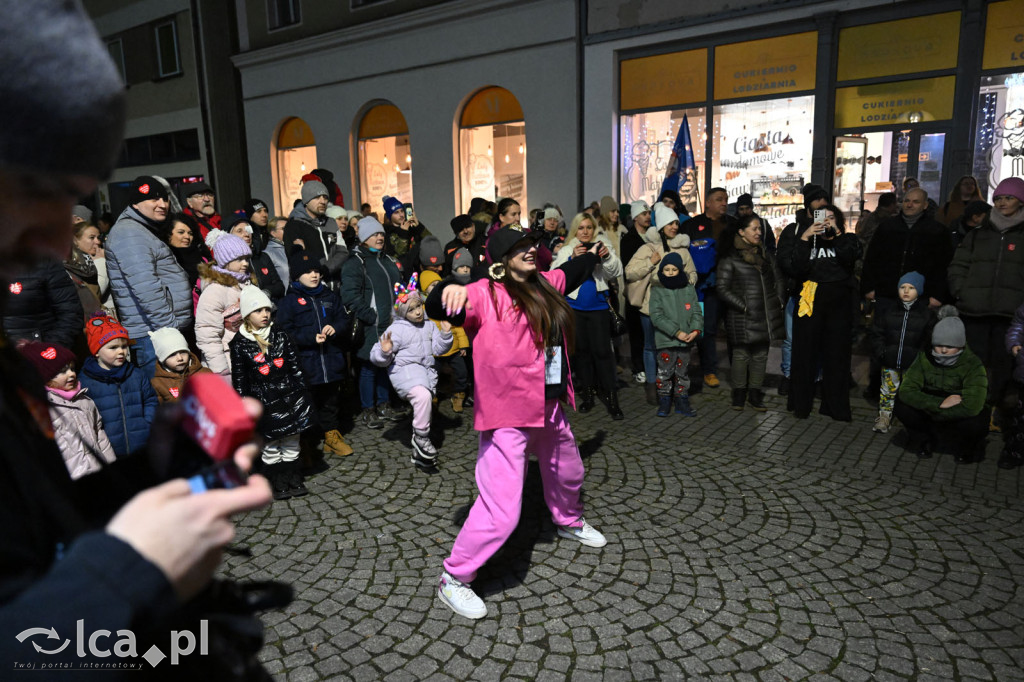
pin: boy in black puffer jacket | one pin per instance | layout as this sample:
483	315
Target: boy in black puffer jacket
313	316
900	330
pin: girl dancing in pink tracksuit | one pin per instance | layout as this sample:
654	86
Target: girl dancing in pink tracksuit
522	332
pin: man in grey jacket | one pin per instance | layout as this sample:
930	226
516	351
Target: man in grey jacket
150	289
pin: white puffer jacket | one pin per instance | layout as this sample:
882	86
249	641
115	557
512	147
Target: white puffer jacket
608	269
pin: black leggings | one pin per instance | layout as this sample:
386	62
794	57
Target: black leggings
593	361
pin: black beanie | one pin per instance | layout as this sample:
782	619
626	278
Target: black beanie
146	187
460	223
65	102
812	193
252	206
302	262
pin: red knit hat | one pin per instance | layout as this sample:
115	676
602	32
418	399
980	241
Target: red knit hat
101	330
48	359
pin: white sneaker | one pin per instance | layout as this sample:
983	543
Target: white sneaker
640	377
460	597
882	423
424	446
586	534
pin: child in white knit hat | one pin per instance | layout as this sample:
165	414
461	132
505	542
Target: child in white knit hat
174	363
265	365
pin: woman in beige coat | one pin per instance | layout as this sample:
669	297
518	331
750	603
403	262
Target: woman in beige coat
661	238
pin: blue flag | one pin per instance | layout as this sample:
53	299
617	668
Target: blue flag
681	163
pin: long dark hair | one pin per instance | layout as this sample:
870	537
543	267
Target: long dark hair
503	206
547	312
840	217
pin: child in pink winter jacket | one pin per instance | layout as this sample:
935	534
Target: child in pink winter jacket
522	333
407	349
77	426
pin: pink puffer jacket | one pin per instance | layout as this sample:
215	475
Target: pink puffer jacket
78	430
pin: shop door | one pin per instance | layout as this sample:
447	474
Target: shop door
889	158
848	176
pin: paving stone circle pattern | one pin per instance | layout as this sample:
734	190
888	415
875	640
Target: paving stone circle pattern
742	546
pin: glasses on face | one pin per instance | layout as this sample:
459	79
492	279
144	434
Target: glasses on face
204	195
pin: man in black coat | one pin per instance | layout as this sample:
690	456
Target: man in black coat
712	223
912	240
67	552
44	306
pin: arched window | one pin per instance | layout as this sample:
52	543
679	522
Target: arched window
492	148
295	155
385	157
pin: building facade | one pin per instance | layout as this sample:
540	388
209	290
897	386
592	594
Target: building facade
569	100
184	114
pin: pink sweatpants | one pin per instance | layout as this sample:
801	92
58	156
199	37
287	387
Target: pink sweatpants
421	400
500	474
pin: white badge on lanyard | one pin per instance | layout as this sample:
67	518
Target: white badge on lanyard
553	365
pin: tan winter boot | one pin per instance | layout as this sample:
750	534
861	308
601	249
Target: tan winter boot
334	443
457	399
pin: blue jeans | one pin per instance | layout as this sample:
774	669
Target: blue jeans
650	366
787	345
373	381
144	354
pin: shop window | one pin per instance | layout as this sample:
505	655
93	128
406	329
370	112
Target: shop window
647	141
282	14
173	147
168	61
294	156
764	149
999	138
492	148
385	157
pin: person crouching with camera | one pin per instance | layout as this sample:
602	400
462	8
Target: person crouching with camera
823	258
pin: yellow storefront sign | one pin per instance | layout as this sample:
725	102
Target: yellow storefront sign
914	101
927	43
766	67
664	80
1004	35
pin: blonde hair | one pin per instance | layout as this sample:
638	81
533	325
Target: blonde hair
578	220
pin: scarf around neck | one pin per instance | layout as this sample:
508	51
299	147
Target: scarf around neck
946	360
66	394
750	253
1003	222
260	336
81	265
242	277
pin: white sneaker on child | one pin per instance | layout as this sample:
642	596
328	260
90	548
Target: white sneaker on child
882	423
460	597
585	534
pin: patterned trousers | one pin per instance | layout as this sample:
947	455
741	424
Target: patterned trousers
890	385
672	362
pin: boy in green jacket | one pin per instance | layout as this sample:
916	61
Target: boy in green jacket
944	391
677	319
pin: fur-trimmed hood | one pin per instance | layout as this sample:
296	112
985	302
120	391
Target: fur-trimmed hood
653	236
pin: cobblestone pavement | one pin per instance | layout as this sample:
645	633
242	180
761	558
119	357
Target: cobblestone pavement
741	546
